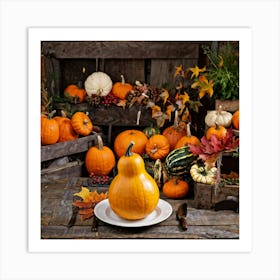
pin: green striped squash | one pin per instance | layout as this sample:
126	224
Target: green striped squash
179	161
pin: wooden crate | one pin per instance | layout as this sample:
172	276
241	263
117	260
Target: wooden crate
205	196
56	157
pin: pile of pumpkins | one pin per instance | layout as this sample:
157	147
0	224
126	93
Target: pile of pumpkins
61	128
99	84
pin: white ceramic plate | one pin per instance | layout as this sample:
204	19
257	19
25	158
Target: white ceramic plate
104	212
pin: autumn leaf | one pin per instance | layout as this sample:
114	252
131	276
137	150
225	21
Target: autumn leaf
178	71
209	150
89	200
196	70
84	194
164	95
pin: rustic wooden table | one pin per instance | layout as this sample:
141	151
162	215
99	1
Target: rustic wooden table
56	211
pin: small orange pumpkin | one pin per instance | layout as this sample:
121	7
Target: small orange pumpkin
131	135
100	159
49	129
217	130
75	94
120	89
81	123
187	139
66	131
157	147
175	188
175	132
235	119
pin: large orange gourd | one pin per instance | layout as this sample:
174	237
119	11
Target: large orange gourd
133	193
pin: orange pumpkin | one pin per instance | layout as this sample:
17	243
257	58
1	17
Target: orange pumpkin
235	119
175	188
75	94
100	160
66	131
157	147
81	123
120	89
175	132
217	130
124	138
49	129
187	139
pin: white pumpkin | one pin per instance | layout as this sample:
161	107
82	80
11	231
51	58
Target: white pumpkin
218	116
202	175
98	83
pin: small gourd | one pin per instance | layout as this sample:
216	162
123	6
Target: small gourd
81	123
235	119
218	130
75	94
98	83
133	193
100	159
49	129
121	89
123	139
218	116
157	147
175	188
187	139
175	132
66	131
202	175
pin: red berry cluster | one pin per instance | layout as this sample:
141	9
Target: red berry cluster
109	99
99	180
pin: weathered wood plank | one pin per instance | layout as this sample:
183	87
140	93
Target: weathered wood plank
114	115
162	70
227	105
67	148
51	174
132	69
159	232
121	49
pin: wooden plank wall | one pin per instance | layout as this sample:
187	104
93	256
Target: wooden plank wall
152	62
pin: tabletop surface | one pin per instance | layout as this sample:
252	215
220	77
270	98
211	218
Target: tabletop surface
56	211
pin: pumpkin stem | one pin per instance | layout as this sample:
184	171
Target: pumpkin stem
216	126
63	114
176	119
51	114
219	110
123	80
189	134
128	152
99	143
155	149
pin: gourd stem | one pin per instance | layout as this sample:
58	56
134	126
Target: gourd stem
189	134
176	119
51	114
216	126
123	80
99	143
128	152
63	114
155	149
219	110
